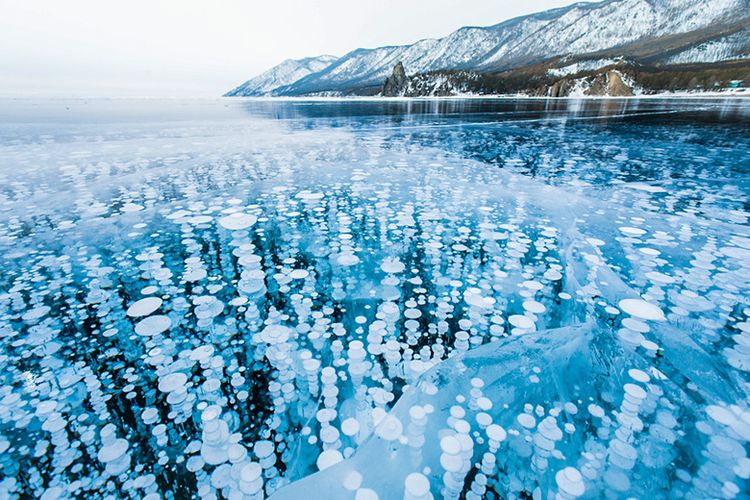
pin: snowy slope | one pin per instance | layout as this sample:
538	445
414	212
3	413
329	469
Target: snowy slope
734	46
587	65
285	73
577	29
583	28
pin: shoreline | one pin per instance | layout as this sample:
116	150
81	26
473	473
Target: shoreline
684	96
706	95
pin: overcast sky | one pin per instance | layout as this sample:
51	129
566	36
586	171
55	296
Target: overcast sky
202	47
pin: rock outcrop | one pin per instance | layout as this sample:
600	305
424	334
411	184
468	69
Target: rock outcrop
616	86
560	88
608	83
396	84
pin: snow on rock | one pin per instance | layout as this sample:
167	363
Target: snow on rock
588	65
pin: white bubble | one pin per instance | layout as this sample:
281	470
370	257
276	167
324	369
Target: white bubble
570	481
328	458
417	484
172	382
153	325
642	309
389	428
237	221
113	451
144	307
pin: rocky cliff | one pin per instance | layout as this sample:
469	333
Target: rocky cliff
609	83
396	84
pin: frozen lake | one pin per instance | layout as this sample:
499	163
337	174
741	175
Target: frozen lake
375	299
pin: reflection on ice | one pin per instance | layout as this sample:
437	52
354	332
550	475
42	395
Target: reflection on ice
347	303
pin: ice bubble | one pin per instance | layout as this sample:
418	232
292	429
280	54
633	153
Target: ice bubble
483	419
195	275
299	274
112	451
131	207
484	404
642	309
251	472
450	445
526	420
200	219
353	481
392	266
366	494
348	259
650	252
659	278
328	458
632	231
237	221
202	353
690	301
596	410
649	345
178	214
636	325
639	375
150	415
153	325
53	493
534	307
736	253
646	187
532	285
496	433
275	334
45	407
520	321
210	413
172	382
553	275
412	313
35	313
389	428
144	307
220	478
417	485
310	196
238	301
263	449
350	426
635	391
570	481
612	310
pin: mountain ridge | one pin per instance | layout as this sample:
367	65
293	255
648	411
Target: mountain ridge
287	72
611	26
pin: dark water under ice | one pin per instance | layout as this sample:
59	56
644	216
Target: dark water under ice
479	298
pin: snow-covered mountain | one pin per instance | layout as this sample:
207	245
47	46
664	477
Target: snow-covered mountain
285	73
575	30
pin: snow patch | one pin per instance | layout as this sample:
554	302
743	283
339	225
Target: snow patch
590	65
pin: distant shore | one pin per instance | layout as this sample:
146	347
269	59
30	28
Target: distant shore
666	95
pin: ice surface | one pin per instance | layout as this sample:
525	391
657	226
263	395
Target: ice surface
425	299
